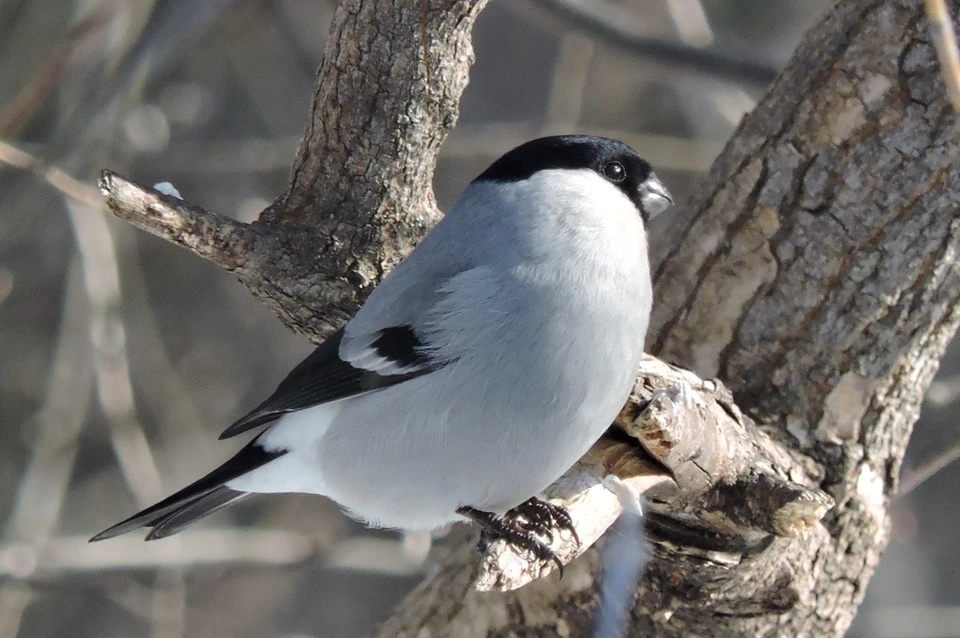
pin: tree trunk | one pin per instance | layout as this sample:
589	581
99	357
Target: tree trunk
812	273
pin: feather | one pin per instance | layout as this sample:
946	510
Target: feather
394	355
194	511
198	499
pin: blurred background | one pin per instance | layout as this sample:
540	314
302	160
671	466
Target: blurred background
123	357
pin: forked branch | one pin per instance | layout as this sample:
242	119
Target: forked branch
813	272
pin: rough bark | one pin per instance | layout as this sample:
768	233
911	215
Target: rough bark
360	195
812	273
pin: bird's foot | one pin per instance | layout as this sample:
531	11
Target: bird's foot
546	516
518	533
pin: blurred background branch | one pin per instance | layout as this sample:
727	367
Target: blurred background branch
58	179
619	26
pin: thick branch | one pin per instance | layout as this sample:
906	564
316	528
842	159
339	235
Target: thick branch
360	197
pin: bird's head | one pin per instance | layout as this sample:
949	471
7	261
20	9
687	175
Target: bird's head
616	163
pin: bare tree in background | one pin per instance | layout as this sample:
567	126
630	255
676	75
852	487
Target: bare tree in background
812	274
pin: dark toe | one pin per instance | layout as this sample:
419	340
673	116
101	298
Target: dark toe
545	512
523	535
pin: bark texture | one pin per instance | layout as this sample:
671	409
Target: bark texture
360	196
813	273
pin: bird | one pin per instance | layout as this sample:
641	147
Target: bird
478	371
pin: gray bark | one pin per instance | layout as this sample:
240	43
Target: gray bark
812	273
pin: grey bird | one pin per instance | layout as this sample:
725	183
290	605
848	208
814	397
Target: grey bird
479	370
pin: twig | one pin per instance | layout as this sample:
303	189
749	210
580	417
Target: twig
940	393
42	489
691	22
222	240
18	112
60	180
108	339
945	39
50	471
693	29
167	396
912	478
115	390
617	26
197	547
14	601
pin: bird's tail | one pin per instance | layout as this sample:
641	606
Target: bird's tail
197	500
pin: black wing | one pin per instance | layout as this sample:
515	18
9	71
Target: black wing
324	376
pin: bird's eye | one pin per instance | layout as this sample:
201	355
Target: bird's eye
615	172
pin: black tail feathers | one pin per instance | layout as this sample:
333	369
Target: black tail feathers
204	497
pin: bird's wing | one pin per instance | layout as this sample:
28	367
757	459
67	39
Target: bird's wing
391	356
383	345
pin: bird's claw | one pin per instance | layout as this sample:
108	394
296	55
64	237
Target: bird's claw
546	515
521	527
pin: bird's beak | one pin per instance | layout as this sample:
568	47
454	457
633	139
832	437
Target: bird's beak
654	197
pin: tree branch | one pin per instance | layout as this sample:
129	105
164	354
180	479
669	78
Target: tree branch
945	39
616	25
360	196
222	240
813	273
52	175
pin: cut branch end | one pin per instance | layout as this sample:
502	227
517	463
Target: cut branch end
222	240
